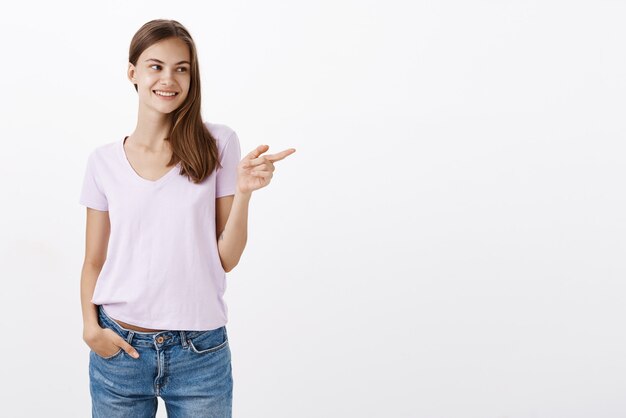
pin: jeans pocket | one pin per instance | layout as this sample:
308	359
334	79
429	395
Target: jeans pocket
108	357
209	341
112	328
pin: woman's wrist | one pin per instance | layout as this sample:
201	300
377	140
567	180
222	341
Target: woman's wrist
90	330
245	195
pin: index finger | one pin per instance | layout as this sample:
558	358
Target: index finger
280	155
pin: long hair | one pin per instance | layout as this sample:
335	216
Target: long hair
192	143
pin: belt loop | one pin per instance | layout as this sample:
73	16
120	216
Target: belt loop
183	338
129	337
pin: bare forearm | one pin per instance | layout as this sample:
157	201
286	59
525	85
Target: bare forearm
89	276
232	240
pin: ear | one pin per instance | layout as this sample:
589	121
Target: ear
131	73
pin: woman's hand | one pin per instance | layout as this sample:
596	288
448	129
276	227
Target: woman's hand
105	342
256	170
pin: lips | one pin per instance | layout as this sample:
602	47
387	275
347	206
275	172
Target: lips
165	93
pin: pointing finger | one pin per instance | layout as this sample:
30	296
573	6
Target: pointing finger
269	157
280	155
283	154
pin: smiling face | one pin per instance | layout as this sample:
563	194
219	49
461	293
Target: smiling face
162	75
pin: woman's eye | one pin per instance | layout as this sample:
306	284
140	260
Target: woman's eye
158	67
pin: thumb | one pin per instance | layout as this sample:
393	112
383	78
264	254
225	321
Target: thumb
257	151
127	347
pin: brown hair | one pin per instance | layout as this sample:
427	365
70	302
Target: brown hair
192	143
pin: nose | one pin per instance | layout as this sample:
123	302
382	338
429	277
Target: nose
166	77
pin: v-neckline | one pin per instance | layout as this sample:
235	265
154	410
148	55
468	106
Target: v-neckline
136	175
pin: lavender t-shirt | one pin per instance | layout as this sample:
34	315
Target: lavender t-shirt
162	268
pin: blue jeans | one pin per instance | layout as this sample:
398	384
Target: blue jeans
190	370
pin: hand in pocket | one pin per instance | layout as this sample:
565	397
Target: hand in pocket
107	343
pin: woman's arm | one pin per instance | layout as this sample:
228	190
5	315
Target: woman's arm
254	171
96	242
232	227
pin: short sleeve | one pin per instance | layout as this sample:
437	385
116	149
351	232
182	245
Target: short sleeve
91	194
226	177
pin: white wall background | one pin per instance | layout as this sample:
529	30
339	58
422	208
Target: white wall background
447	241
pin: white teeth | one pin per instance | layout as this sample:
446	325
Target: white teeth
164	93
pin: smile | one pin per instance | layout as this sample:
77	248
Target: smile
165	93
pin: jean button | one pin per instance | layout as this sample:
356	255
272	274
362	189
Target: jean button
159	339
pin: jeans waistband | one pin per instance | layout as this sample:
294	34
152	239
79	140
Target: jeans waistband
166	337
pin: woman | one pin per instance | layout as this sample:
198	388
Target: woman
154	271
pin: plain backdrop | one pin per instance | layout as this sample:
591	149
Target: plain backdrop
446	242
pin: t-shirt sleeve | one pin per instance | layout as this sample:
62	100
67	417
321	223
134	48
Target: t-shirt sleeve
92	194
226	177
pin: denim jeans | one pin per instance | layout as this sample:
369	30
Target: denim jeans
190	370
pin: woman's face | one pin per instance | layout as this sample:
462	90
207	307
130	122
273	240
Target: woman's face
162	75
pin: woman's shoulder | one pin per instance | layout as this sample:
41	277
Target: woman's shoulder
220	131
104	151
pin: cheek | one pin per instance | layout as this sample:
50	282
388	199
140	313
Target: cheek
148	82
185	83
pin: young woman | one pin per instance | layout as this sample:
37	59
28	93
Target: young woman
167	210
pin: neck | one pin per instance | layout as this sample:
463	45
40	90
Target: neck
151	130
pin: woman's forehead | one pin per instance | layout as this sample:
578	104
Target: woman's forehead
168	51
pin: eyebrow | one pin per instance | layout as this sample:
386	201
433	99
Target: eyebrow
161	62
